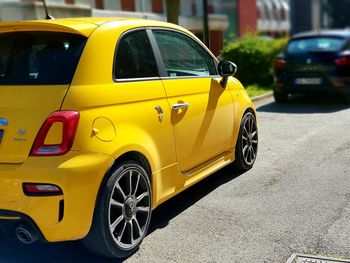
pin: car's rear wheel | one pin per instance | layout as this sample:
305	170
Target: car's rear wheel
123	212
247	143
280	97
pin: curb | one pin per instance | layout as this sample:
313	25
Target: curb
263	97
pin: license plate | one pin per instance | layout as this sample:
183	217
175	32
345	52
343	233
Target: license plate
308	81
1	134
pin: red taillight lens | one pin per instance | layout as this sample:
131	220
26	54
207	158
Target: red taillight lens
280	63
69	120
343	61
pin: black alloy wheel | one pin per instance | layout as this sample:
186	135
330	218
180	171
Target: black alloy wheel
247	143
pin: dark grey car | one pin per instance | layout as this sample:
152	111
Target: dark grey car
314	62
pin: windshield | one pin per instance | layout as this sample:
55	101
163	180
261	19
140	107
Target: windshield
32	58
315	44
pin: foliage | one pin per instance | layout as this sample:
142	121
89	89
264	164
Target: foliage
255	90
254	58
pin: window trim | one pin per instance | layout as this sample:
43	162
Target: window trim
122	36
159	58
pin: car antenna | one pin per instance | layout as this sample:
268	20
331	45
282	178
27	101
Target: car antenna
47	16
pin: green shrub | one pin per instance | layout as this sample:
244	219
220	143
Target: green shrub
254	58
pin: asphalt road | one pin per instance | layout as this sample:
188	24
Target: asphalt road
295	199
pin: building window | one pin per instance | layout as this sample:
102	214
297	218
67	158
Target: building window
128	5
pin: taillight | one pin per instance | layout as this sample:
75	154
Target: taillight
69	121
280	63
343	61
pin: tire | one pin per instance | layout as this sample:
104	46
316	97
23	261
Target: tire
280	97
122	214
247	143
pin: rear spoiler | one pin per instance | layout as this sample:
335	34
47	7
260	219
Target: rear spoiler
67	26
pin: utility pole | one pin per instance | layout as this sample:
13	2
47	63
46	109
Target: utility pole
172	11
206	35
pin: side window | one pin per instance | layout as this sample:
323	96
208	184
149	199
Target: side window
135	58
183	56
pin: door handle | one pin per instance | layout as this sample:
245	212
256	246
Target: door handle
178	106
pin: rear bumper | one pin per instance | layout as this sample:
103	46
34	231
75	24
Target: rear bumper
331	84
57	218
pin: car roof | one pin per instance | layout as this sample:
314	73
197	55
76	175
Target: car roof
331	33
84	26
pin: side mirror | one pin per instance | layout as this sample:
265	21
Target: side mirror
226	69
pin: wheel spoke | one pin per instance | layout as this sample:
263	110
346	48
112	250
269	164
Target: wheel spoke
245	149
116	222
251	125
143	209
253	153
137	184
138	228
245	131
255	141
116	203
120	235
140	197
130	183
119	188
131	226
253	134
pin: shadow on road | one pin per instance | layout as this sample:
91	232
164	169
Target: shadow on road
306	104
12	250
175	206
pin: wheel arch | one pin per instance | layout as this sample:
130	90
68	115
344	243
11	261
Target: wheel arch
127	156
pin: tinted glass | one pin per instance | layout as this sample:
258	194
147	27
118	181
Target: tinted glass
315	44
34	58
135	58
183	56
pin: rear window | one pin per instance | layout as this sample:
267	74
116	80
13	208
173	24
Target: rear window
39	58
315	44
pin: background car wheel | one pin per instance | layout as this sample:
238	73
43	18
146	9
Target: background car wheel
247	143
280	97
123	213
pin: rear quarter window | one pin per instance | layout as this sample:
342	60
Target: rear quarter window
34	58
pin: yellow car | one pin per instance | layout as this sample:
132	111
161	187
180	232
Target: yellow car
103	119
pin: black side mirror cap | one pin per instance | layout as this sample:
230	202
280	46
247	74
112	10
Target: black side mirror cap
226	69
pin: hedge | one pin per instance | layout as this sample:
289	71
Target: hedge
254	58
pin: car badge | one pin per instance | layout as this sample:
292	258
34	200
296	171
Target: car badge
21	132
308	61
160	113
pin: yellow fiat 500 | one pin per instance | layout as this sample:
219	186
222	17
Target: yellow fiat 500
102	120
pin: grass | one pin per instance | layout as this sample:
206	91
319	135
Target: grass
257	89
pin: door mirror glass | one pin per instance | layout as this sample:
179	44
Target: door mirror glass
227	68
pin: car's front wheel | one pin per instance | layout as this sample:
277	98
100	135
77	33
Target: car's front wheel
123	212
247	143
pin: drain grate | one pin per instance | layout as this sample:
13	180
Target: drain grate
297	258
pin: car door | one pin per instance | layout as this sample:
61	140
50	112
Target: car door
202	112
